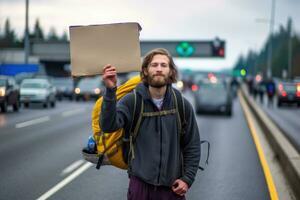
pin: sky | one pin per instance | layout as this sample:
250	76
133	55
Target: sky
243	24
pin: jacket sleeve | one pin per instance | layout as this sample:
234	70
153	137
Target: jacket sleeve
191	146
114	115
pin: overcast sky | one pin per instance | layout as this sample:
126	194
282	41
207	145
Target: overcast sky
235	21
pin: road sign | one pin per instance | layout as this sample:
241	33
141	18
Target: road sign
188	48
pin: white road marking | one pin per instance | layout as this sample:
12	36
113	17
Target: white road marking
72	112
65	181
71	167
33	122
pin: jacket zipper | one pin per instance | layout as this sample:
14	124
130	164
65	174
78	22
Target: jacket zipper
160	134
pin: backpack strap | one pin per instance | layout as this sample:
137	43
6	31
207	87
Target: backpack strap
180	106
182	123
138	109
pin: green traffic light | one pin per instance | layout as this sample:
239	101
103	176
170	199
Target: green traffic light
185	49
243	72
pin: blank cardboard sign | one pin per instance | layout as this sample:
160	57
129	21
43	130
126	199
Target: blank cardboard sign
94	46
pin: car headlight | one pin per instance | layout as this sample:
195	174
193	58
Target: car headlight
77	90
97	91
2	91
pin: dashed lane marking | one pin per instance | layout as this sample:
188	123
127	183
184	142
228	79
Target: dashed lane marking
33	122
65	181
72	167
72	112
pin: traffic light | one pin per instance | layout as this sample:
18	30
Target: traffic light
185	49
218	48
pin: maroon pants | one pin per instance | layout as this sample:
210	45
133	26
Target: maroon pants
139	190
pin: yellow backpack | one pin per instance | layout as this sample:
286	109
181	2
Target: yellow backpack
109	145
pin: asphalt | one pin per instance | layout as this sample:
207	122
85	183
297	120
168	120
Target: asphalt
33	158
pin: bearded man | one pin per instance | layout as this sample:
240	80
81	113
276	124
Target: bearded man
164	165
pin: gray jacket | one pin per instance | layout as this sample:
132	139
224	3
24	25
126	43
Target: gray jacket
158	152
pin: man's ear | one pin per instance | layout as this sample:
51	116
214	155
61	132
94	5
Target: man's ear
145	71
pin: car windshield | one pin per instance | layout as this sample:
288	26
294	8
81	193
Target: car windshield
2	82
88	83
212	86
65	82
34	85
289	87
210	91
62	82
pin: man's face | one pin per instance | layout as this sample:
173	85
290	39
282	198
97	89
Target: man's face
158	71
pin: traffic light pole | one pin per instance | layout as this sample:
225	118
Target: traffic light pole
290	52
26	42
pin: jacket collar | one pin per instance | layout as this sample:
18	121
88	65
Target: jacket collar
143	90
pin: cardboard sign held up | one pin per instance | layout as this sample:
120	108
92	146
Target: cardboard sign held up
94	46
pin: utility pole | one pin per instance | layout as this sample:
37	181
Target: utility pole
269	66
290	52
26	45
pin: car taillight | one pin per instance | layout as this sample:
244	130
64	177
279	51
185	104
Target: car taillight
194	88
298	94
283	93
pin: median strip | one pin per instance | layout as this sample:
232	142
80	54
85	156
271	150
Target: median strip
33	122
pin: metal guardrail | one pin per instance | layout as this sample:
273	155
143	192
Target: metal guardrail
287	155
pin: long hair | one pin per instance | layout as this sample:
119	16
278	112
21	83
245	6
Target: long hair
148	58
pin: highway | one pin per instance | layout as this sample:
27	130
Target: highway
40	153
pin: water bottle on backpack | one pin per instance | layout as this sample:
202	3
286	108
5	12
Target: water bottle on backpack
91	145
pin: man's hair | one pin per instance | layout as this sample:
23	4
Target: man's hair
148	58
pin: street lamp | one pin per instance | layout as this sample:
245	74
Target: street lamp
269	66
26	45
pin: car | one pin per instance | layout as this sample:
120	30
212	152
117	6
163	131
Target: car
64	87
89	88
9	94
213	96
288	93
37	90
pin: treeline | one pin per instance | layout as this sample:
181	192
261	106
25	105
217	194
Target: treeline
256	62
9	38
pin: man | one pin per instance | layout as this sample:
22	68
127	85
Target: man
164	164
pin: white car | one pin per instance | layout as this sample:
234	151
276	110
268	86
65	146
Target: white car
37	91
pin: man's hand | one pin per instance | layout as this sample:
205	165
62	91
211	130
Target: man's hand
180	187
109	76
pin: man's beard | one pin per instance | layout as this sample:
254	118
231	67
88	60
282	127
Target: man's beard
158	81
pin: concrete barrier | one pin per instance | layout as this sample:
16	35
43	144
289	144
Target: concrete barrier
287	155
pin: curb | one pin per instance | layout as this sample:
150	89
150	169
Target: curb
287	155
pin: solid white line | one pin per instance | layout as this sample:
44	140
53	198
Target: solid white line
72	112
32	122
65	181
71	167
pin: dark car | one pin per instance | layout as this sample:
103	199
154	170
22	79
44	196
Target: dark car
64	87
213	96
288	93
9	94
89	88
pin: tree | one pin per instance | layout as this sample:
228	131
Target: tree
52	36
9	36
64	37
38	33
